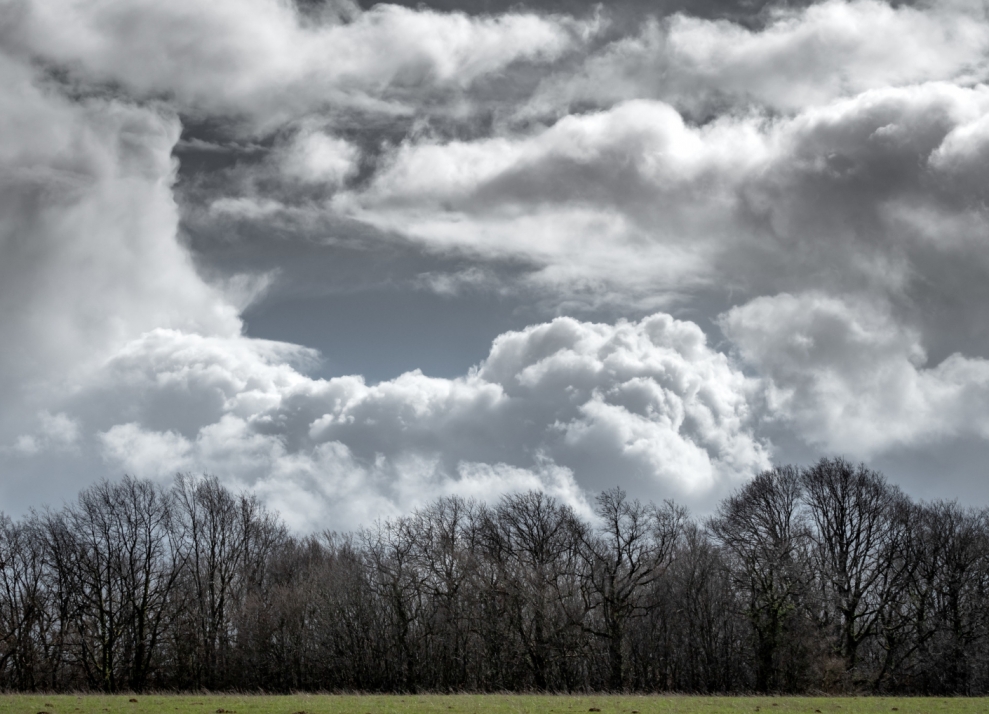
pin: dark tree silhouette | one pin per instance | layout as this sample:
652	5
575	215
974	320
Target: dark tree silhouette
823	578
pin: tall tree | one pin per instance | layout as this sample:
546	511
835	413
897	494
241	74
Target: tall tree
398	585
857	544
944	618
763	531
214	536
25	615
630	549
447	536
117	552
533	540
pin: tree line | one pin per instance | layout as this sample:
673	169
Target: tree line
825	578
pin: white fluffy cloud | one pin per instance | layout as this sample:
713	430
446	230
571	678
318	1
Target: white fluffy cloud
640	201
820	181
88	253
564	405
631	195
316	157
852	378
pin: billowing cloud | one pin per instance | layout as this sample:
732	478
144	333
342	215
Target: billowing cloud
565	403
848	377
802	57
88	253
808	189
637	199
631	194
261	60
316	157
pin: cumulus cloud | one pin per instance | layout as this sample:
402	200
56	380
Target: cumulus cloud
88	252
800	58
564	406
316	157
55	432
846	196
631	194
260	59
816	177
849	377
89	259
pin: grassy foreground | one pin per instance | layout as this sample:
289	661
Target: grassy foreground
476	704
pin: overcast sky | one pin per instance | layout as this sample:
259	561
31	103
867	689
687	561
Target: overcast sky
356	257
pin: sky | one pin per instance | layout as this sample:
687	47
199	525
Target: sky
356	257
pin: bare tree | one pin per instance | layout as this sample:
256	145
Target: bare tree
446	538
255	618
214	536
763	531
398	584
709	636
858	541
533	540
632	547
934	636
825	578
116	549
25	616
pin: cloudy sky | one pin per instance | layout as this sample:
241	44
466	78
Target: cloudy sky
358	256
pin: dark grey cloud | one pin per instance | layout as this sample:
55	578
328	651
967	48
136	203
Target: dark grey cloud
625	12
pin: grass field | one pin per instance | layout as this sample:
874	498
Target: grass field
477	704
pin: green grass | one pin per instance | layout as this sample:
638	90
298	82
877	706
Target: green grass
478	704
